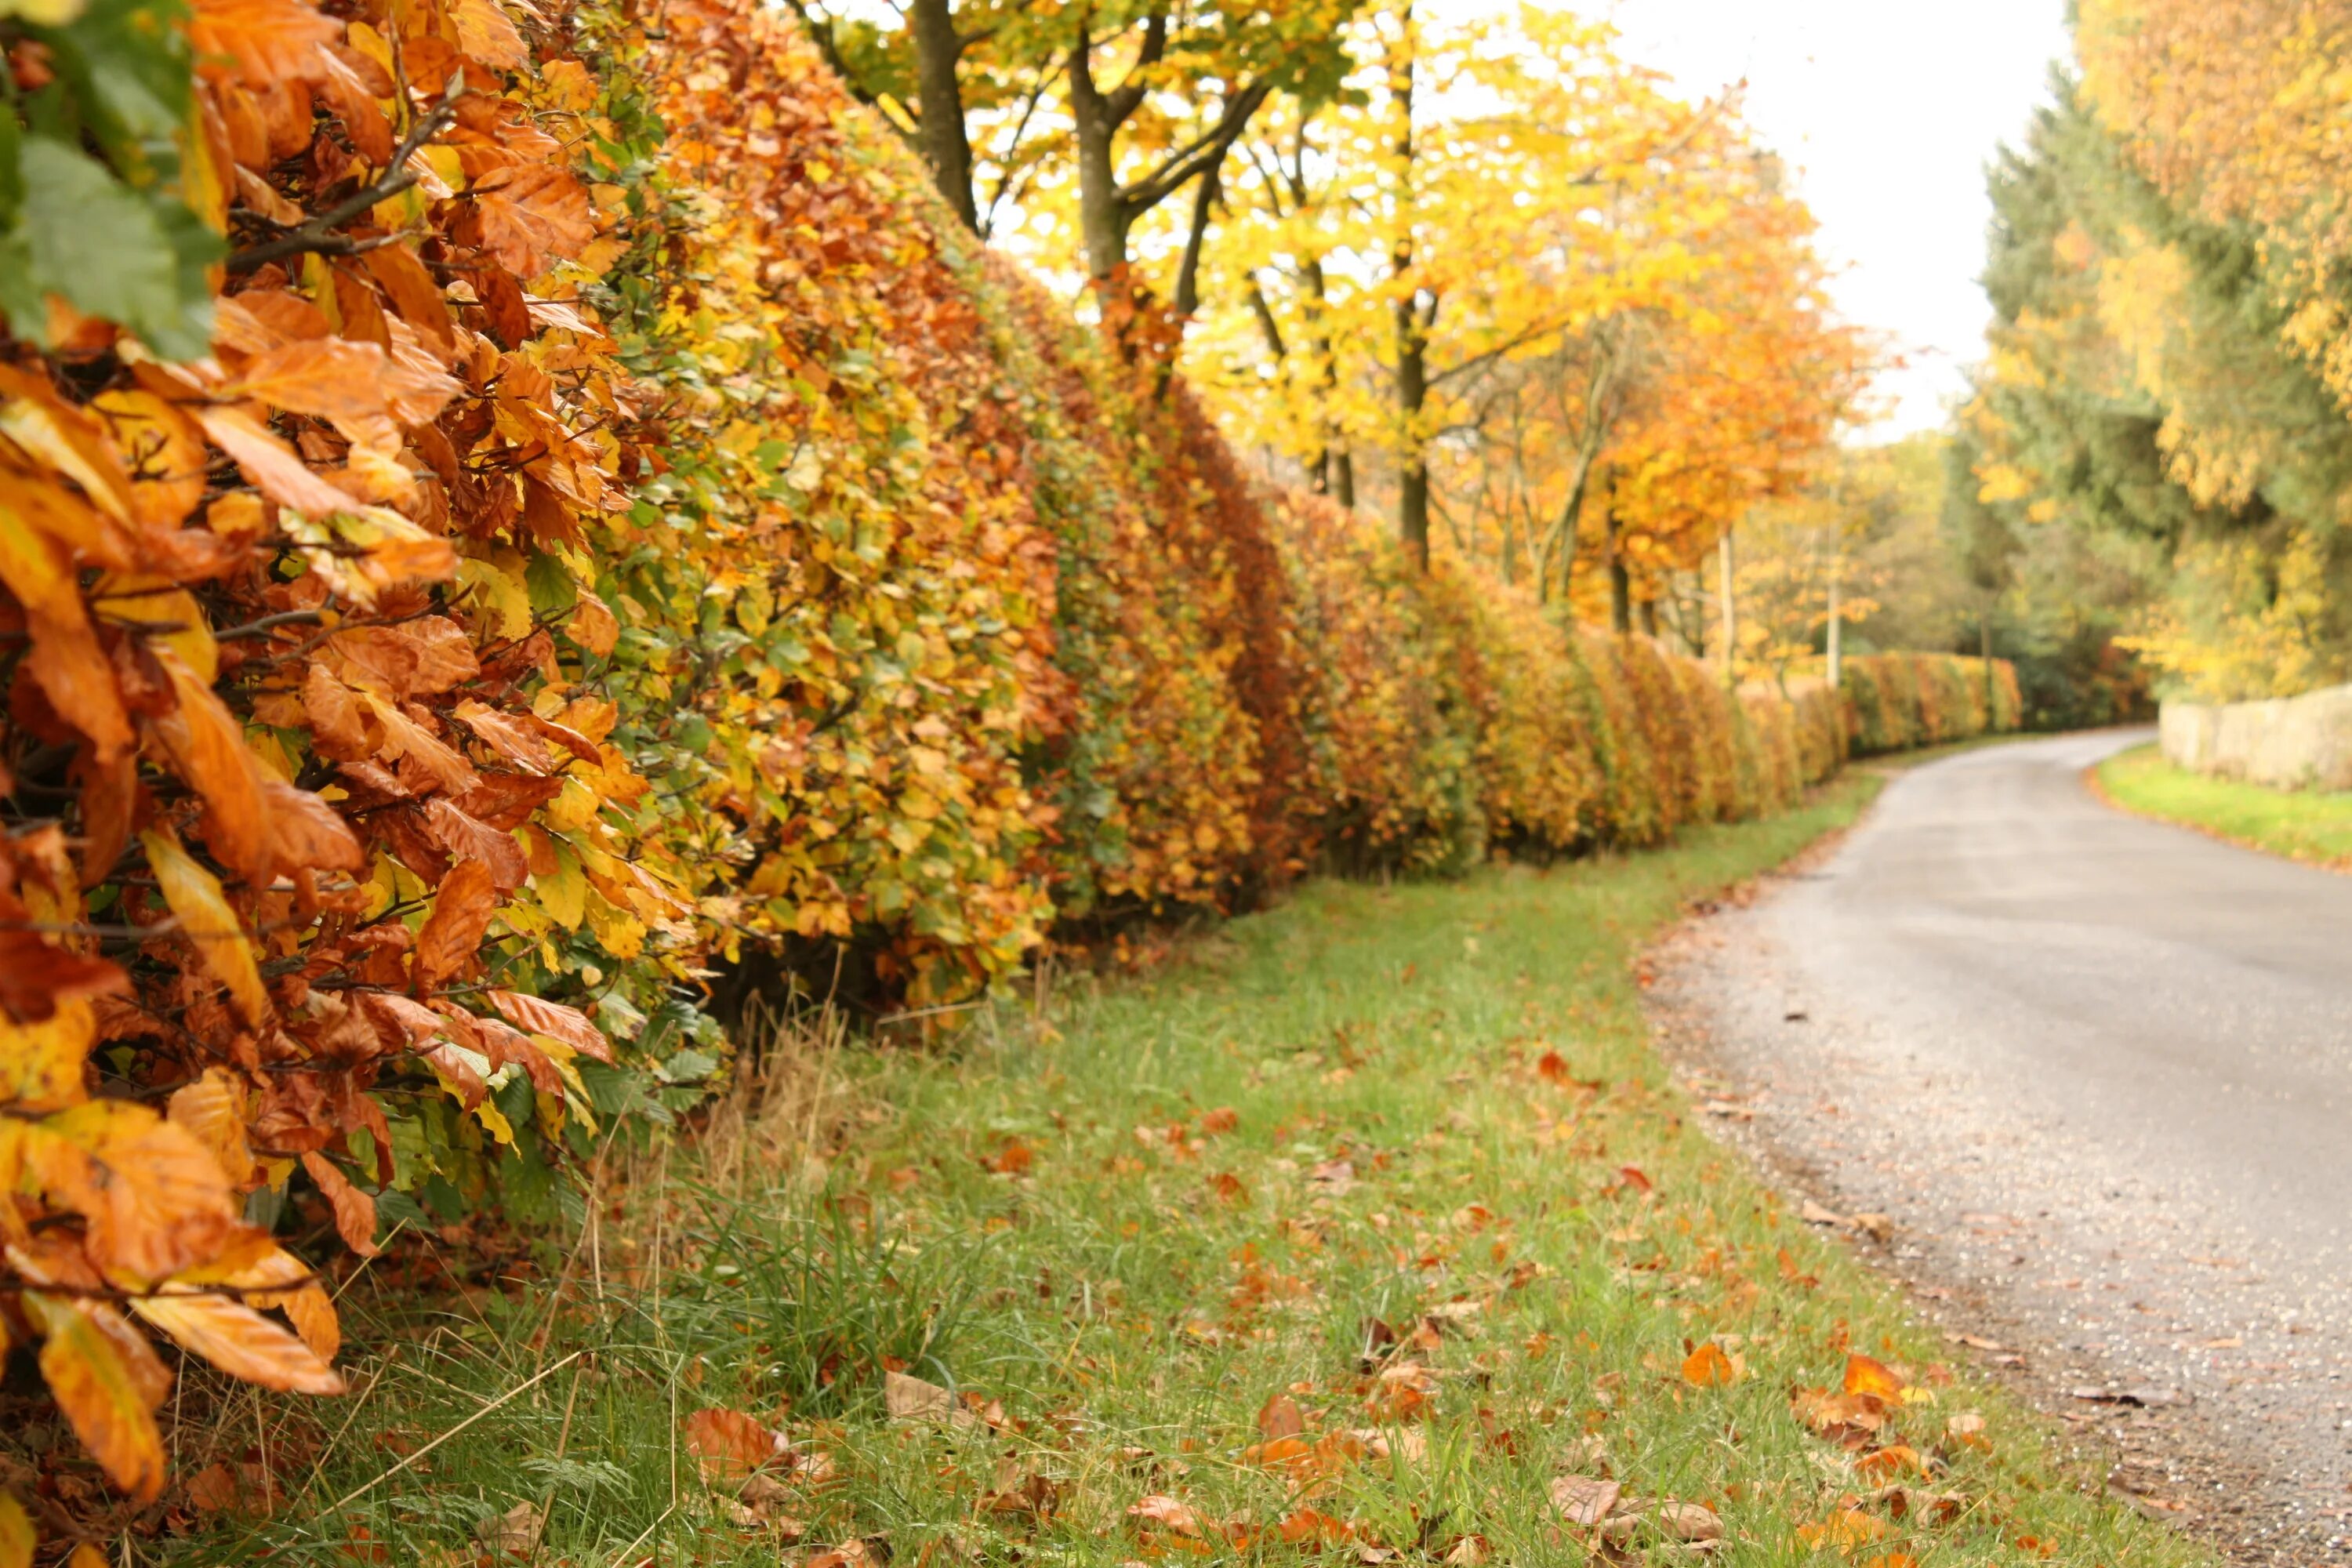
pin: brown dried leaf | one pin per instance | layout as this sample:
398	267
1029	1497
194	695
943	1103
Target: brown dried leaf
1582	1500
462	911
355	1217
553	1019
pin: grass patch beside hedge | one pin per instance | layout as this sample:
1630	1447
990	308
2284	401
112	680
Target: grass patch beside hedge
2311	825
1130	1227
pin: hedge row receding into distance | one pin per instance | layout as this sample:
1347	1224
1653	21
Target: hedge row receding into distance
651	541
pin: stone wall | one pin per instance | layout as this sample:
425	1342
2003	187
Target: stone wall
2287	742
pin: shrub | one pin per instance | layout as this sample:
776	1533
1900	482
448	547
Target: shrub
323	827
1894	700
1395	762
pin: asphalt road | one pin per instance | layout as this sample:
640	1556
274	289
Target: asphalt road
2098	1073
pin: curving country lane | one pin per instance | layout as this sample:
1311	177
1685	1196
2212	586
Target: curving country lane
2098	1073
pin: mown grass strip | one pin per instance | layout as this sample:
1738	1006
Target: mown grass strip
1358	1228
2311	825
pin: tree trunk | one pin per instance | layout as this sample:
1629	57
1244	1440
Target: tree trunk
1102	218
1650	617
1730	622
1343	478
1621	580
1412	366
946	147
1327	377
1837	665
1984	652
1188	271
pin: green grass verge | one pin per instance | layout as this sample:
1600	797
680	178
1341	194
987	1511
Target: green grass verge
1433	1108
2311	825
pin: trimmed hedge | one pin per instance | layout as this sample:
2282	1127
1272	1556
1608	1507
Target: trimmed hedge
1894	701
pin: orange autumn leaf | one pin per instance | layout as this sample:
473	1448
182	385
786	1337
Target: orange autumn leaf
1884	1464
355	1215
729	1444
1709	1367
1307	1526
463	907
1167	1513
1014	1158
530	214
556	1020
333	378
265	41
1865	1375
1280	1416
241	1342
1845	1530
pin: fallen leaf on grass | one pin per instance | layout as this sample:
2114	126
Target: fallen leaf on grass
1709	1367
912	1399
1012	1160
1583	1500
1030	1495
866	1551
729	1444
1812	1213
1846	1529
1849	1418
211	1488
1280	1416
1967	1429
1309	1526
1469	1551
1229	1188
1865	1376
514	1533
1899	1458
1927	1508
1689	1522
1169	1513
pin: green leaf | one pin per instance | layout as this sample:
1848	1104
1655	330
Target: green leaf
82	234
550	585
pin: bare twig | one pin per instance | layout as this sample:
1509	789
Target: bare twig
318	235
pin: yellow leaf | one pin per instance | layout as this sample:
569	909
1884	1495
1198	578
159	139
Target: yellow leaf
17	1536
41	1064
212	1109
502	593
91	1384
206	919
564	893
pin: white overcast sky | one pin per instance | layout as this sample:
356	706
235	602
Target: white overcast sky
1889	109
